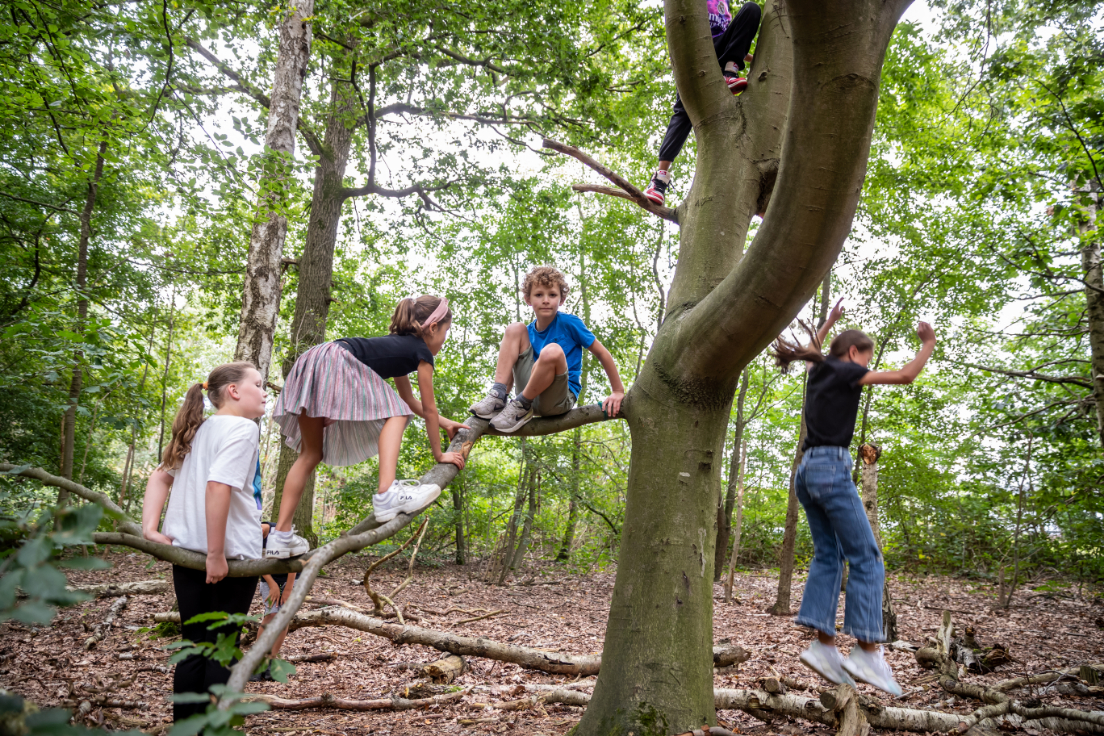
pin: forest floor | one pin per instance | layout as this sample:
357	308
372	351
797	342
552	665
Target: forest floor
547	608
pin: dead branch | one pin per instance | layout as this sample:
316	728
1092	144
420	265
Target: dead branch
104	627
377	599
126	524
140	587
410	569
329	701
631	193
1043	678
478	618
446	669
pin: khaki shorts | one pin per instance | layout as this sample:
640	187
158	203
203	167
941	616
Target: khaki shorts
557	399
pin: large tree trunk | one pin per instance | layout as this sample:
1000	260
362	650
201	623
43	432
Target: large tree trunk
868	459
69	419
261	290
1094	311
724	308
724	512
312	297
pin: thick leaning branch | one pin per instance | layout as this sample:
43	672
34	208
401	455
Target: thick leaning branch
122	521
632	194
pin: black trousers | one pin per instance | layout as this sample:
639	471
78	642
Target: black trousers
732	45
230	595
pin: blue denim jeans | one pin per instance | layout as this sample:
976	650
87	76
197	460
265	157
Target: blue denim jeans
840	532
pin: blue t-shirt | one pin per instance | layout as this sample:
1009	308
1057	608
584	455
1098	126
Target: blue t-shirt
569	332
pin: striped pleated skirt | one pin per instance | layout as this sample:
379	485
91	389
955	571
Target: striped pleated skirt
327	381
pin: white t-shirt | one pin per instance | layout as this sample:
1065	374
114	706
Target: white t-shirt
224	450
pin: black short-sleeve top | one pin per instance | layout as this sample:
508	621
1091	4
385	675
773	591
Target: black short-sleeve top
389	356
832	401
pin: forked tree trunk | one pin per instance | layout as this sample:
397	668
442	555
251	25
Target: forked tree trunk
724	308
724	511
312	297
261	290
69	420
868	459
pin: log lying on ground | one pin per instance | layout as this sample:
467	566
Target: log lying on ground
446	669
535	659
140	587
104	627
1044	677
329	701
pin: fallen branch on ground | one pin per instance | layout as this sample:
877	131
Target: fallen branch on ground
104	627
108	590
329	701
1043	677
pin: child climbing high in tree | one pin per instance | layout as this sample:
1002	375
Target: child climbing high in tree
732	39
337	408
209	468
837	520
544	359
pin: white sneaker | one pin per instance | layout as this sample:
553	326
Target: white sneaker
827	662
404	497
277	549
871	668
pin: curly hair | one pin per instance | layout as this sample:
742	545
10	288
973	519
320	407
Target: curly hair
544	276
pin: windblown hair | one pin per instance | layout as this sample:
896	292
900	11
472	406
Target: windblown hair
190	416
786	352
544	276
411	313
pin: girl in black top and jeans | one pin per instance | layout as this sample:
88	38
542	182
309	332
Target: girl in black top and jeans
837	520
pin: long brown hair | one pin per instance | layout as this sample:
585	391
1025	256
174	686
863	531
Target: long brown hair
190	416
411	313
786	352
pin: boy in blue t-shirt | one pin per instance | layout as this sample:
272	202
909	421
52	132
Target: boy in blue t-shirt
545	359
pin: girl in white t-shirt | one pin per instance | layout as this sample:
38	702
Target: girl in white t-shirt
209	467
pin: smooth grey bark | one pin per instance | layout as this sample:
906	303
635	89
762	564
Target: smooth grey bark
817	90
69	419
724	511
261	290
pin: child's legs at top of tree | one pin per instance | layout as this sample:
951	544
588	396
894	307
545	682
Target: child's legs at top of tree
390	441
678	130
735	43
310	455
515	341
821	597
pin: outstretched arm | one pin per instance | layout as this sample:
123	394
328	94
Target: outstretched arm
427	410
612	403
909	373
833	317
157	491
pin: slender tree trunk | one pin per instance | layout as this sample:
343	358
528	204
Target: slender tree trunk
510	536
572	506
261	290
781	605
738	529
312	297
868	460
1094	302
457	490
724	511
527	526
165	374
128	466
69	421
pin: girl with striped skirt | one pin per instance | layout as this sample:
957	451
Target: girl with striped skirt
336	407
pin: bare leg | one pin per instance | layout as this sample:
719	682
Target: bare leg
826	639
551	363
310	454
665	165
390	440
279	640
514	342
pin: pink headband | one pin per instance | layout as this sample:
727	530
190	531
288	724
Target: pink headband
438	313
